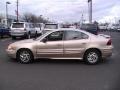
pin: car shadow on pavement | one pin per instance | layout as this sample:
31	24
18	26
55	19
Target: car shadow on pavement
52	61
58	61
68	61
62	61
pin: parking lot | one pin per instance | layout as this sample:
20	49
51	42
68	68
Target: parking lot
60	74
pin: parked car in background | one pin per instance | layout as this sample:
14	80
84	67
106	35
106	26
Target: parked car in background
102	27
39	28
92	28
118	27
4	30
114	27
110	27
22	29
63	43
50	27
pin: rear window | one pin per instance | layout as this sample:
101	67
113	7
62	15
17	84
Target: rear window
51	26
18	25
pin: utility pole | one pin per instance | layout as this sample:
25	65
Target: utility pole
82	19
90	10
17	11
7	12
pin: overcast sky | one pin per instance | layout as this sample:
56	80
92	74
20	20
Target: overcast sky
66	10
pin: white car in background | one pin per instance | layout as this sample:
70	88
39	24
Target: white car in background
39	28
22	29
102	27
50	27
114	27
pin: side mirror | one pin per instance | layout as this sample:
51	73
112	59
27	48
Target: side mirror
44	40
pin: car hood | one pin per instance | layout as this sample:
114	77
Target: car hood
23	41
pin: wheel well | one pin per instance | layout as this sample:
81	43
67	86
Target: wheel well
90	49
24	49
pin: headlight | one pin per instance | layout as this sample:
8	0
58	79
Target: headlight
11	47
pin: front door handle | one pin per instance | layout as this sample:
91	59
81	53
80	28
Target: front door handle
83	43
59	45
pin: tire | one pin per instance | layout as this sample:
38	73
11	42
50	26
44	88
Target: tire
28	36
13	37
25	56
92	57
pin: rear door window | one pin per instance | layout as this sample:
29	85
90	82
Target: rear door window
75	35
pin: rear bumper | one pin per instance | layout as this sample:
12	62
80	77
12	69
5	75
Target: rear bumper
18	34
107	52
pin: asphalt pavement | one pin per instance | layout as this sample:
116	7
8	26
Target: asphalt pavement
60	74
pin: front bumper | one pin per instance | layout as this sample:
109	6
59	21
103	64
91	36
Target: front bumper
11	53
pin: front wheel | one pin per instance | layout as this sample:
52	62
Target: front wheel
92	57
25	56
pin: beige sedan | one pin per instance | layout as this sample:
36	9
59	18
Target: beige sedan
63	43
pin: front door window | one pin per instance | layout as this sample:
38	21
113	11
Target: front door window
55	36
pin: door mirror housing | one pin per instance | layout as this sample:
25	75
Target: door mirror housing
44	40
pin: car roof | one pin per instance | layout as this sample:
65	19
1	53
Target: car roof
72	29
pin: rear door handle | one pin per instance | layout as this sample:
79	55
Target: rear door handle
83	43
59	45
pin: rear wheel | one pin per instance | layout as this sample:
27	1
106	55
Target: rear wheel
92	56
24	56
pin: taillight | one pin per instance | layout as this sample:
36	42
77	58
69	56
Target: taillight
109	42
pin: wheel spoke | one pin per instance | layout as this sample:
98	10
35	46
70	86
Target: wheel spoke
24	56
92	57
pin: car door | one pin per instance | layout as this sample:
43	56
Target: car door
52	47
75	43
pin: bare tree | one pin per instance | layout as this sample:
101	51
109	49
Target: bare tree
26	17
29	17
